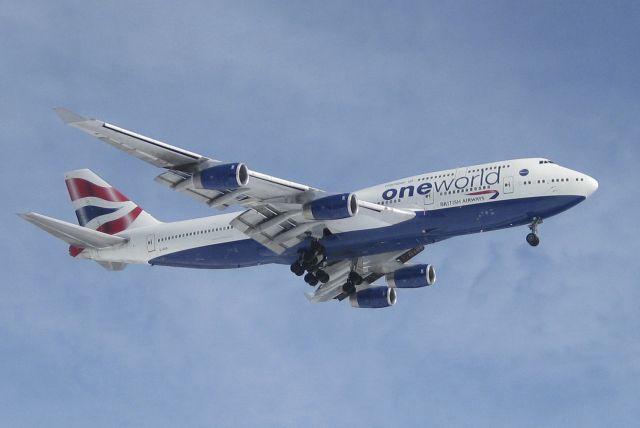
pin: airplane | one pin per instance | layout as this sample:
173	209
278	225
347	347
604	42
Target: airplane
342	243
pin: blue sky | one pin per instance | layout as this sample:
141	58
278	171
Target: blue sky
339	96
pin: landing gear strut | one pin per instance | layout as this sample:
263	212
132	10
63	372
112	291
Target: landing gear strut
532	238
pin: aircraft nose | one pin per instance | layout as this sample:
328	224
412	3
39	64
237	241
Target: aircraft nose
591	185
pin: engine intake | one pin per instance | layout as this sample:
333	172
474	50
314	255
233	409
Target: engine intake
332	207
372	298
412	277
227	176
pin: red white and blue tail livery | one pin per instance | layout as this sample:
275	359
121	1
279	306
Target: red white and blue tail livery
343	243
102	207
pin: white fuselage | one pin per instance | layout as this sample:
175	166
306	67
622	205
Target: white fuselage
488	184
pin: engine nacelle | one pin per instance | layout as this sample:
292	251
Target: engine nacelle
376	297
222	177
332	207
412	277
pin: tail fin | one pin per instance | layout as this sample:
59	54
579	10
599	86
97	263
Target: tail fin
100	206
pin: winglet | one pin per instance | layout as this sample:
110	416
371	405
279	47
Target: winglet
67	116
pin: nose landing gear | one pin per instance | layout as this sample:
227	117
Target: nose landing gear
532	238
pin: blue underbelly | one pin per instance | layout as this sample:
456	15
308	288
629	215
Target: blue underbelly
426	228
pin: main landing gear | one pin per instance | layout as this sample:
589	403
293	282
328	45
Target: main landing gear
311	261
353	280
532	238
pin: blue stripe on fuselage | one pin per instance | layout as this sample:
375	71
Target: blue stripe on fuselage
426	228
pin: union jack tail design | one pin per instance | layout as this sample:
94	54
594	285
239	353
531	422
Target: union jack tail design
100	206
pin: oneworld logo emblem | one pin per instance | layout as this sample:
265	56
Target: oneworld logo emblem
524	172
464	183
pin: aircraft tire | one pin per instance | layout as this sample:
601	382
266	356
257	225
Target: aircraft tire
311	279
322	276
533	240
297	269
349	288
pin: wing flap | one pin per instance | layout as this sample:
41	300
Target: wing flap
275	229
174	180
181	182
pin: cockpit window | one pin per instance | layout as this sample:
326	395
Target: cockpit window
545	161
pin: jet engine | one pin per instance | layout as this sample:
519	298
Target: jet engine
412	277
332	207
227	176
376	297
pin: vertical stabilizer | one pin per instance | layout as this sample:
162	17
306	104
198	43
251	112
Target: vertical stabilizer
100	206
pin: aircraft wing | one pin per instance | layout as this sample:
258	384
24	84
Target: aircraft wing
371	268
274	215
181	164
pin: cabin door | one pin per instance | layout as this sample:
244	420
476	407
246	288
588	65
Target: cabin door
428	198
151	243
508	185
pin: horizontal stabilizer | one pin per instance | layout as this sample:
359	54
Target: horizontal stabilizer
72	234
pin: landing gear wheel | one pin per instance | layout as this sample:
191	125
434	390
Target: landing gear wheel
311	279
355	279
533	240
297	269
322	276
349	288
